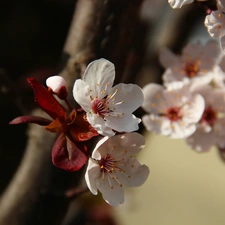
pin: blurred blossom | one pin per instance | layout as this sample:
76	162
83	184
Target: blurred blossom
193	65
211	127
173	111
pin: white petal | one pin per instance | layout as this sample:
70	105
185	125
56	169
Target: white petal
179	3
81	94
176	95
130	94
168	59
215	23
201	141
156	124
126	123
153	98
182	130
203	78
55	83
193	111
134	142
100	148
136	174
211	54
111	191
219	76
91	175
99	74
218	101
175	74
99	124
192	51
213	97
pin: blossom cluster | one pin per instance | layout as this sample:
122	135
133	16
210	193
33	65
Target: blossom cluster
190	102
214	21
104	113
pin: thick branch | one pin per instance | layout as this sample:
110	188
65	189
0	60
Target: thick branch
30	180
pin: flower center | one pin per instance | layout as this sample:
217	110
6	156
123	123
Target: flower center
106	105
173	114
209	116
108	164
190	69
100	107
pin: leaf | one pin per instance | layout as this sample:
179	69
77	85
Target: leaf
67	154
56	126
31	119
46	100
81	130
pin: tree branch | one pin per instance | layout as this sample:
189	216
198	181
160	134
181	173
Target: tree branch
34	195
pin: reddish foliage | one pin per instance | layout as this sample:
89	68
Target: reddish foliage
46	100
69	151
67	154
31	119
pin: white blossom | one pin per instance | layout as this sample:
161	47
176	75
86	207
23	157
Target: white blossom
174	111
108	108
179	3
113	167
194	64
211	127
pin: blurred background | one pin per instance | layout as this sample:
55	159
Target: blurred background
184	187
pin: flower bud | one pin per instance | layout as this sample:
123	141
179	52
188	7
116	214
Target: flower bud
57	85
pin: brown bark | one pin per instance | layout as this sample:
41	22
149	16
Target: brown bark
35	194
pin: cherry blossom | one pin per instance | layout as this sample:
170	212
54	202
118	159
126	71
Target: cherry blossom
193	65
173	111
211	127
57	85
179	3
215	23
113	167
108	108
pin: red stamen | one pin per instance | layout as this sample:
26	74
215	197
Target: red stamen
173	114
191	69
209	116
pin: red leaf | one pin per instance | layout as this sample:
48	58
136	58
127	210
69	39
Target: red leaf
81	130
46	100
67	154
31	119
